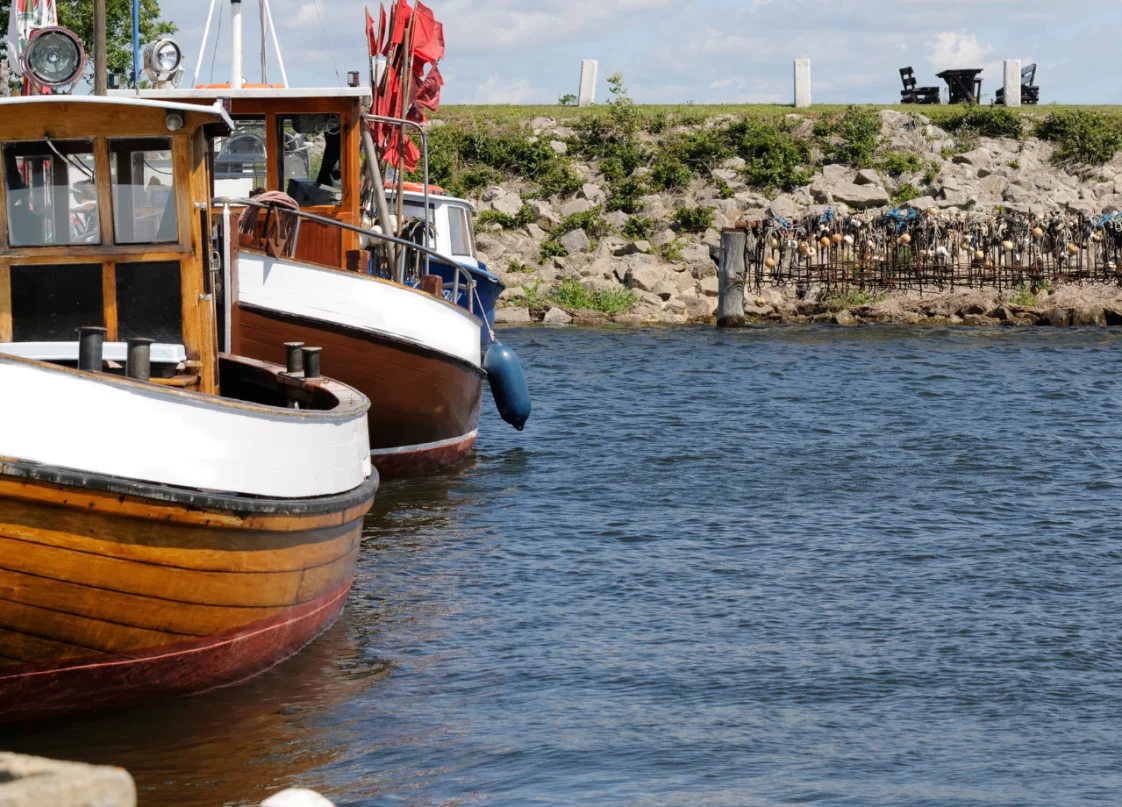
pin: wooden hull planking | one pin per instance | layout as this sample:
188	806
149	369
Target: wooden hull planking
107	598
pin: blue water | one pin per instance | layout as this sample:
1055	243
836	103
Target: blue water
868	566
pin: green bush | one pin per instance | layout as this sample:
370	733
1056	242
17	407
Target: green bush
724	190
672	251
896	163
524	216
702	151
905	193
1082	137
534	297
774	157
466	158
989	121
637	228
931	173
551	249
575	296
568	99
668	172
591	221
517	267
694	219
625	195
859	129
612	169
854	298
1022	295
559	180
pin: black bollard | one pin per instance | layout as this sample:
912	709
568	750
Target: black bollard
311	361
91	343
139	364
293	358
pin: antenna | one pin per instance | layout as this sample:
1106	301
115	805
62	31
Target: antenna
235	44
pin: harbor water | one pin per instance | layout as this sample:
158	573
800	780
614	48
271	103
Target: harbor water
872	566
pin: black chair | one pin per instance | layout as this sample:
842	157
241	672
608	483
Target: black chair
911	94
1030	93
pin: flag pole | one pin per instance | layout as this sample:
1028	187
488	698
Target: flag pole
406	81
101	70
136	43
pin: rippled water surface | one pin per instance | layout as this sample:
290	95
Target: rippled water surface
853	567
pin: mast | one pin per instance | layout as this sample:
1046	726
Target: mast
236	44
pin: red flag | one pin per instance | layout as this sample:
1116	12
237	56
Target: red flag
428	92
428	36
400	18
381	28
371	42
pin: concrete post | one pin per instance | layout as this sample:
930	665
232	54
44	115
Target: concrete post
1012	82
587	96
802	83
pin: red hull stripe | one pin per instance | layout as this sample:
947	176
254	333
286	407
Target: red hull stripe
34	691
408	461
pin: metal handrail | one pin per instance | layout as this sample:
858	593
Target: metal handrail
399	180
235	201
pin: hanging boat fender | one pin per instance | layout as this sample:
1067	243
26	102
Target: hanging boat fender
508	385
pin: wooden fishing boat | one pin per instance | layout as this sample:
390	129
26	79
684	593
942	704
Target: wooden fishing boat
172	518
306	261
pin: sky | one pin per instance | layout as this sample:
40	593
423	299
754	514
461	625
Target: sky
704	51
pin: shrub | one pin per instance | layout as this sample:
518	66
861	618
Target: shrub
1014	164
472	181
559	180
703	150
896	163
668	172
673	250
568	99
573	295
989	121
931	173
524	216
859	129
534	298
592	221
724	190
905	193
854	298
694	219
774	157
625	195
517	267
612	169
551	249
1082	137
637	228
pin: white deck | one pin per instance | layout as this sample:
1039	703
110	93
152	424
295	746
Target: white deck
359	301
141	432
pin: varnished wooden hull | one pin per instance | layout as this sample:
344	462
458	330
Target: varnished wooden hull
113	591
424	406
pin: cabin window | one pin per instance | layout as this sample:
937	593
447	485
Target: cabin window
241	160
52	193
49	303
459	228
143	191
310	172
150	301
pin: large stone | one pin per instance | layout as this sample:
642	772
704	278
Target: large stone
512	316
868	176
511	292
592	193
631	319
663	237
1088	315
845	317
574	206
559	146
860	197
698	307
37	782
544	215
508	203
995	184
665	289
540	124
711	286
980	159
617	219
695	253
647	278
575	241
922	203
1057	317
555	316
784	207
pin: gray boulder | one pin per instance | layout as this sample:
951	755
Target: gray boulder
512	316
574	206
575	242
860	197
508	203
555	316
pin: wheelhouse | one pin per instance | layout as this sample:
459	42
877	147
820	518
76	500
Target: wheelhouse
104	222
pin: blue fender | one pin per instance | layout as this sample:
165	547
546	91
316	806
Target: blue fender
508	385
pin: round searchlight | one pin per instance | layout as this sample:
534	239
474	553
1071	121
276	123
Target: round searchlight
54	57
162	59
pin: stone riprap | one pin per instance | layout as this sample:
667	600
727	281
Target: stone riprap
671	272
36	782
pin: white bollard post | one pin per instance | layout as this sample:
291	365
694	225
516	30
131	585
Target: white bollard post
1012	82
802	83
587	95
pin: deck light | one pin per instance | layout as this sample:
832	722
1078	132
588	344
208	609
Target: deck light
175	121
353	78
163	62
54	57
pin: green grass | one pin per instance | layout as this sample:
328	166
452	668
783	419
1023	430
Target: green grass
574	296
1022	295
853	298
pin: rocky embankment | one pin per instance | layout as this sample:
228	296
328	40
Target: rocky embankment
665	271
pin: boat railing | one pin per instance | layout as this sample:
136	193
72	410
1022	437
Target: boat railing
287	239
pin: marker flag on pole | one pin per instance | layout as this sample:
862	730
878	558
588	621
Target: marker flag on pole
428	37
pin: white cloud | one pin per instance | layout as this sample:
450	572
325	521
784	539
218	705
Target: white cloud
952	50
496	90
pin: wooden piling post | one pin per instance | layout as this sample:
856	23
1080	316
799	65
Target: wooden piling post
730	305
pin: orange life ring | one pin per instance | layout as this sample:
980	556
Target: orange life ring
416	187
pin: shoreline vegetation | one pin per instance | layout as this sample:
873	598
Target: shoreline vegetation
614	212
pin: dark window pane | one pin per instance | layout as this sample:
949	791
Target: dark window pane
149	302
52	198
49	303
143	191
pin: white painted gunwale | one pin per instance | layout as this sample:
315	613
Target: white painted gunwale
358	301
112	426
